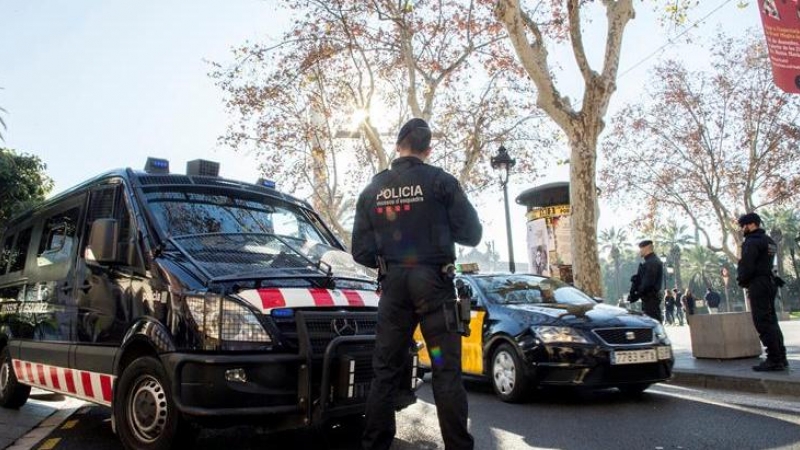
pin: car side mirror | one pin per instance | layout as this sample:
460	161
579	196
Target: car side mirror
599	299
103	238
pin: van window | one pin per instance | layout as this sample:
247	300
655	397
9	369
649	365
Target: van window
58	241
20	251
5	254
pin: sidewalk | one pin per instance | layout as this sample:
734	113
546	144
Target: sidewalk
736	374
24	428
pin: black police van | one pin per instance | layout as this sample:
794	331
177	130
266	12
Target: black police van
180	300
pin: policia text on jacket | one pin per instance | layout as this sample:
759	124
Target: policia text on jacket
182	299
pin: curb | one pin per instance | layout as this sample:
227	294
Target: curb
741	384
41	431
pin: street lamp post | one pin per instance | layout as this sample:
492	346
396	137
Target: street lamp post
503	163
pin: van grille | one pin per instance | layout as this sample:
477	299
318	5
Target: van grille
323	327
625	336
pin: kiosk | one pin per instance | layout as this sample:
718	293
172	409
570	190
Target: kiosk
548	230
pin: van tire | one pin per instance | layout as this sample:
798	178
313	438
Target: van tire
145	413
13	394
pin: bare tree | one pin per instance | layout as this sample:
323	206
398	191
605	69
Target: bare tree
708	145
582	126
382	62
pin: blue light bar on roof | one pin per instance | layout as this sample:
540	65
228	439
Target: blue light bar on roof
156	165
266	183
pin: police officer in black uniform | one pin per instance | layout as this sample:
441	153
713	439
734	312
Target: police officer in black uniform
754	273
407	221
646	284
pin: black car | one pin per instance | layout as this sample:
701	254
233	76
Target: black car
529	330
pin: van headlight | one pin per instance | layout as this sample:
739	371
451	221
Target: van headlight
550	335
224	322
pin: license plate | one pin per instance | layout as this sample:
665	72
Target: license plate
664	352
633	357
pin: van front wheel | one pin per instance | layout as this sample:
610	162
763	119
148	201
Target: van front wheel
144	411
12	393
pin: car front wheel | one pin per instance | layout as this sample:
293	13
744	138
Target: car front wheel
509	379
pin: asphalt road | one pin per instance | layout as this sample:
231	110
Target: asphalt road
664	417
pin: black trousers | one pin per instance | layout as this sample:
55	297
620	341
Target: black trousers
761	293
651	305
411	296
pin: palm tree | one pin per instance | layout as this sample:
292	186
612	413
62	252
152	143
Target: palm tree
702	267
2	125
2	122
612	239
673	238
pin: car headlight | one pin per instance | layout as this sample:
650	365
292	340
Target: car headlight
222	320
660	333
549	334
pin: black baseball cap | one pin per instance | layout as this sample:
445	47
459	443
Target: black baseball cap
645	243
414	125
750	218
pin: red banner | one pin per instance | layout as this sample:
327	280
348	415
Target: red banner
781	20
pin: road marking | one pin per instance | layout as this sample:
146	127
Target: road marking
50	444
69	424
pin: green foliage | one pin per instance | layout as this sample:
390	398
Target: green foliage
23	183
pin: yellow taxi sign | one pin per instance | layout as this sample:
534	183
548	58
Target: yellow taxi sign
468	268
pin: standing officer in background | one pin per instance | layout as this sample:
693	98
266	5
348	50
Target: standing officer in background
754	273
647	282
407	223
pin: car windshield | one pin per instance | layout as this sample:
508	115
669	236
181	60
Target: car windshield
229	232
530	289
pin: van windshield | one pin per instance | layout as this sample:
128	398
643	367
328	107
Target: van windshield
232	233
181	213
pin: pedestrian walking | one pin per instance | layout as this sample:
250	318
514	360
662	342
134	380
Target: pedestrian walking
678	306
713	299
689	303
646	284
754	273
669	307
407	223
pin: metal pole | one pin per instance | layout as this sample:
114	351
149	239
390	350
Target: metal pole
511	267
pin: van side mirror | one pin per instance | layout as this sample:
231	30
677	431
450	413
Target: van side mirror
103	238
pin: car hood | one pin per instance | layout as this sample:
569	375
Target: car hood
580	316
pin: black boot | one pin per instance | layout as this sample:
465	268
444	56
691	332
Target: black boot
770	366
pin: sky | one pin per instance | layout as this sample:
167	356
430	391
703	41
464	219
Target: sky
90	86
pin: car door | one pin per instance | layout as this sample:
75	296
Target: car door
472	345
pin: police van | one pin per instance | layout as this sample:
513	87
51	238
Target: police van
179	300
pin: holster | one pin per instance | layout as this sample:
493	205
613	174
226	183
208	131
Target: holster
457	316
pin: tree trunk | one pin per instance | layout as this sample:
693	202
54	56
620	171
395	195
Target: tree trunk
583	201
